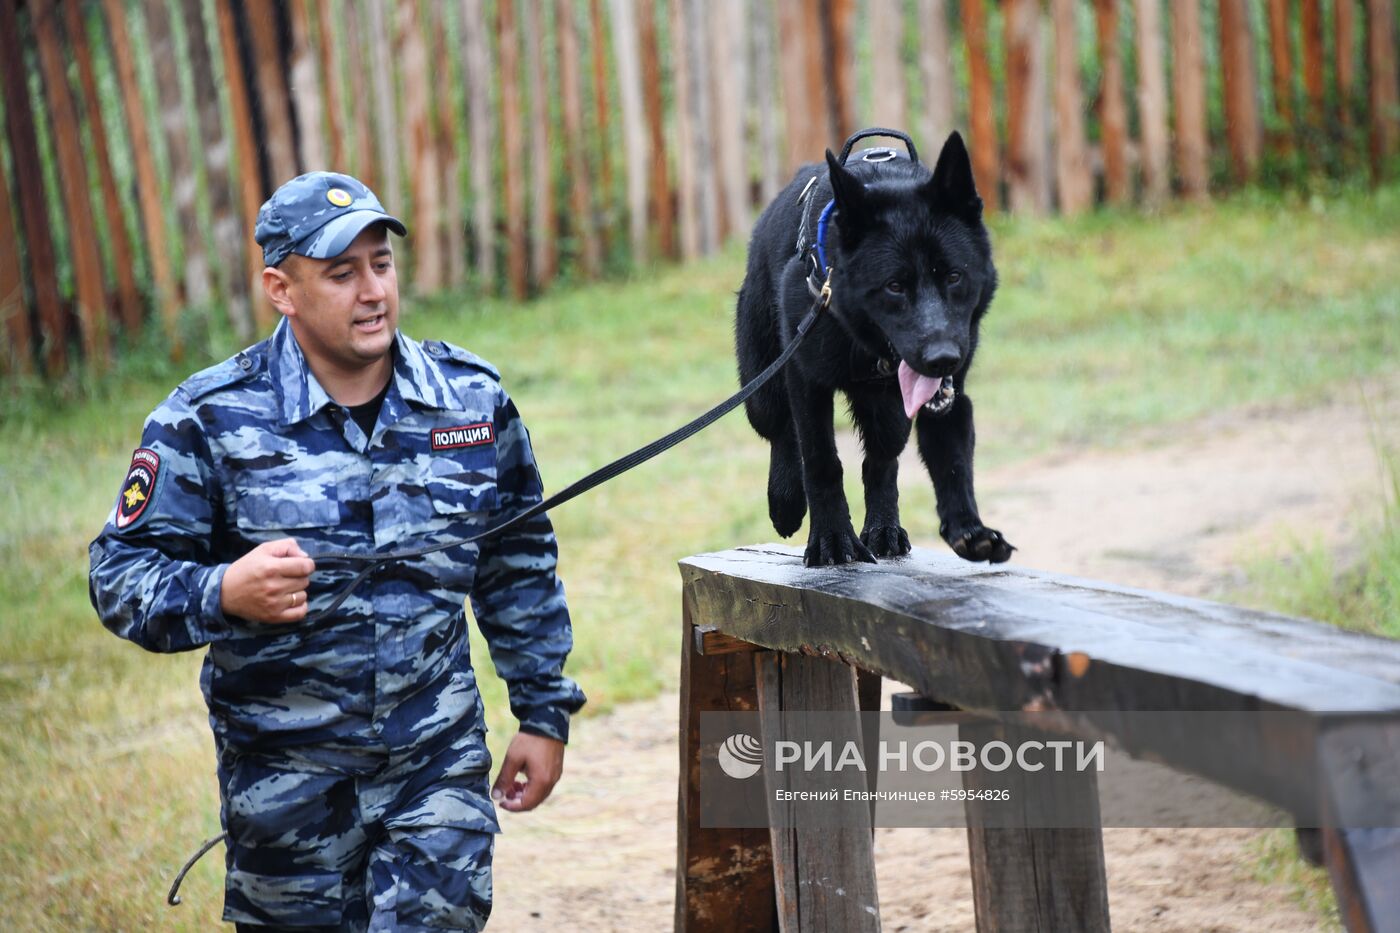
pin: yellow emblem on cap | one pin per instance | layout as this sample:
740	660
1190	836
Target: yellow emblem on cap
339	197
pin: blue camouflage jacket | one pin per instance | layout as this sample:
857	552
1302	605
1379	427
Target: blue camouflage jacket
253	450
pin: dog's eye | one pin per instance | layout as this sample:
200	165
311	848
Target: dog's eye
894	287
954	277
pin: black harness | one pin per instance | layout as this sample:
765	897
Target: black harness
884	361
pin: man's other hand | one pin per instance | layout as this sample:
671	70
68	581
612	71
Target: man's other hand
268	584
540	759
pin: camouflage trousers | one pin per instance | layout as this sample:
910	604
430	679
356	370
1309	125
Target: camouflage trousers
405	849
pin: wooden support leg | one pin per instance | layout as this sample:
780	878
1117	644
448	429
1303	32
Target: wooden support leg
1034	880
724	877
1358	763
825	876
868	691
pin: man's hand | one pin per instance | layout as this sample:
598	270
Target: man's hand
540	759
268	584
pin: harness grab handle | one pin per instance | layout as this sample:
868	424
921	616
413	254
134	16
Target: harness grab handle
880	131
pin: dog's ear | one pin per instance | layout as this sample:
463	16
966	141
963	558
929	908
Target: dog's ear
952	188
852	200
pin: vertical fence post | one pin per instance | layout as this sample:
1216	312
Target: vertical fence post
1189	86
481	131
87	260
986	163
1113	108
575	158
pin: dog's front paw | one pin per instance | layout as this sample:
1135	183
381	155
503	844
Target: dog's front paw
978	542
886	540
835	547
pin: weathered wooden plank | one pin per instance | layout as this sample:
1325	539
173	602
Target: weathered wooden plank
1189	98
1033	880
82	241
825	876
986	163
1010	639
33	213
724	877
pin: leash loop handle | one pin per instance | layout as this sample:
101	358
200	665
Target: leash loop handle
880	131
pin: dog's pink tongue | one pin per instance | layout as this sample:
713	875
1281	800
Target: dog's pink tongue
917	389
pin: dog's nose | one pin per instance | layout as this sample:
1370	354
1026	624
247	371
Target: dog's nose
940	360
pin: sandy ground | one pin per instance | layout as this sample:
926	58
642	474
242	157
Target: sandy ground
1180	517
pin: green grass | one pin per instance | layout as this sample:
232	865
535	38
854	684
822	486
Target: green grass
1103	325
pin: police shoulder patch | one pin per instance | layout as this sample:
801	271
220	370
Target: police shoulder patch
139	487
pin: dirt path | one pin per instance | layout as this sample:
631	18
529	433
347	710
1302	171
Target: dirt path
1167	515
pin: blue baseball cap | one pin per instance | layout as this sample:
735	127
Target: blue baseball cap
318	215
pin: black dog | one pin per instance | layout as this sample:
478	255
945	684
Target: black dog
912	277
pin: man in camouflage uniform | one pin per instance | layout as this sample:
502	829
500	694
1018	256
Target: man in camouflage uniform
352	766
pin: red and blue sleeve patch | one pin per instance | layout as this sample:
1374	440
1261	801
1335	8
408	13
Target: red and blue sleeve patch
467	435
139	487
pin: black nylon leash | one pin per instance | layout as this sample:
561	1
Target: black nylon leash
371	563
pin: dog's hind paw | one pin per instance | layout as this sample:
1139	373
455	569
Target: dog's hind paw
835	547
980	543
886	540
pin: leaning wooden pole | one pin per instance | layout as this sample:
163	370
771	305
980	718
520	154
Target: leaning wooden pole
662	209
123	262
1243	130
1113	108
1072	173
629	80
149	198
1189	96
83	234
228	231
247	182
544	219
1027	178
1281	58
575	153
481	127
18	355
986	164
513	131
1385	100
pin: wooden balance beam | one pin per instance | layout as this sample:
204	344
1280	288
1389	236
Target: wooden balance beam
763	633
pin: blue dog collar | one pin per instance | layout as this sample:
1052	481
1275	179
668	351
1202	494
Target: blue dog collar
821	236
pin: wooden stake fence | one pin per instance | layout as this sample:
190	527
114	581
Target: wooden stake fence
498	128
